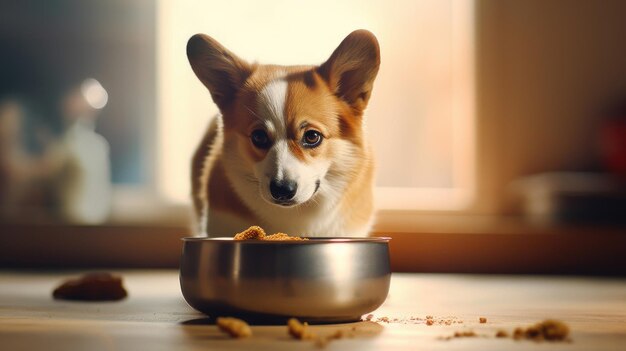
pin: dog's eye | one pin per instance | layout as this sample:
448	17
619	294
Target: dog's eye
260	139
312	138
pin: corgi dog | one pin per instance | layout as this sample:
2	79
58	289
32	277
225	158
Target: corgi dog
289	150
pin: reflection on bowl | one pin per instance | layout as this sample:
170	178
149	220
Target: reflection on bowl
318	280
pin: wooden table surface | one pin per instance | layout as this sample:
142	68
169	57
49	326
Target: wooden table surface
155	317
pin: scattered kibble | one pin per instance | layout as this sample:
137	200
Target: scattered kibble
460	334
428	320
502	334
336	335
465	334
234	327
299	330
550	330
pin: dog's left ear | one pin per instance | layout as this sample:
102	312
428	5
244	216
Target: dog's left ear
351	69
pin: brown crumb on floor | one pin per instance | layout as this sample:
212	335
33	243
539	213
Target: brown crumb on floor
482	320
554	330
428	320
92	287
502	334
550	330
299	330
236	328
460	334
322	341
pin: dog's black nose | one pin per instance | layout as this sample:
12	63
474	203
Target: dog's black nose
283	189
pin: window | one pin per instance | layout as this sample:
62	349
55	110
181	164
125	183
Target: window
420	117
421	113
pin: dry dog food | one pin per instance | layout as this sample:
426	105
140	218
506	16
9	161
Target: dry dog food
550	330
251	233
460	334
234	327
502	334
465	334
299	330
283	237
336	335
257	233
428	320
92	287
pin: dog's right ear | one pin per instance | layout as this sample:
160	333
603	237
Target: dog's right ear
221	71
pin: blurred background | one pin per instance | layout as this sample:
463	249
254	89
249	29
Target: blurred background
74	63
484	111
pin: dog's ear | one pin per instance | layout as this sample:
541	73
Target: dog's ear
351	69
221	71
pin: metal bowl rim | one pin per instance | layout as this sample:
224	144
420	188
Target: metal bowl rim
312	240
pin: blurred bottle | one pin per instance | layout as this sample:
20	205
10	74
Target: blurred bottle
85	185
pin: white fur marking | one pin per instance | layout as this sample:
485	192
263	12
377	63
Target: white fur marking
272	100
286	164
204	217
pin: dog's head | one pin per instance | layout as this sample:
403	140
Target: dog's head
289	129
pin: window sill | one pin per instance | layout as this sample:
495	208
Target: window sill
459	244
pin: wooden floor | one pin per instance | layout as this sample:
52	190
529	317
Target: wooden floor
155	317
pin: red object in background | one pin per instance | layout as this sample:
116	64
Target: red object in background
613	144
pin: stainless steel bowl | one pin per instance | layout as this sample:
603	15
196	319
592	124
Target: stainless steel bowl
317	280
